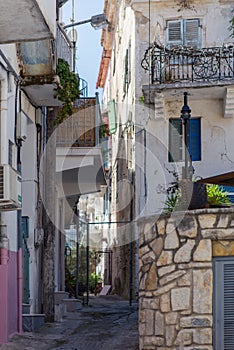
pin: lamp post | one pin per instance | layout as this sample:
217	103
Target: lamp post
185	117
97	22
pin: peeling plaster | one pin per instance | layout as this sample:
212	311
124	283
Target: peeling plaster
141	18
218	133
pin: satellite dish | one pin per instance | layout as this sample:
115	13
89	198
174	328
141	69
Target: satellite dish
72	35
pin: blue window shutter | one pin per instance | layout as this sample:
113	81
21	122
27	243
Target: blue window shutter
230	192
195	138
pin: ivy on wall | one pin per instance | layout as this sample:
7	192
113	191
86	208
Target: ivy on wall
68	91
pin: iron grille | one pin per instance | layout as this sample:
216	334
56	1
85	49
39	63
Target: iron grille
189	64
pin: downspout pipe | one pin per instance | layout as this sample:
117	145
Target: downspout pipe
3	125
3	228
4	241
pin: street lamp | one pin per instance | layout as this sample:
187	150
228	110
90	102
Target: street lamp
97	22
185	117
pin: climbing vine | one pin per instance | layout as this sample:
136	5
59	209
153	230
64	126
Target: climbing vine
68	91
185	4
104	130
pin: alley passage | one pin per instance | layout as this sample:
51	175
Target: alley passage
109	323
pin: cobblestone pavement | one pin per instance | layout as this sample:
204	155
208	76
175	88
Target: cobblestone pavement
108	323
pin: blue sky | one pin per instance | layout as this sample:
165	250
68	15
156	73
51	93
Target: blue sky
89	50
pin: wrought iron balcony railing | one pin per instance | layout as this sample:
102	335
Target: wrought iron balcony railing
187	64
63	46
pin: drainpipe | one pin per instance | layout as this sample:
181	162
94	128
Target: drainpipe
3	227
3	127
4	241
19	214
97	119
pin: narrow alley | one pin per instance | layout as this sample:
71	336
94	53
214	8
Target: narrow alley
107	323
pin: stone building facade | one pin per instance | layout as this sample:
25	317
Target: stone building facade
141	80
178	283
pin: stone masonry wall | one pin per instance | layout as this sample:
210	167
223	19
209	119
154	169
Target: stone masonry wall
176	278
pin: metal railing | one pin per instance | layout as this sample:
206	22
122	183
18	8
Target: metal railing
81	129
187	64
83	87
64	47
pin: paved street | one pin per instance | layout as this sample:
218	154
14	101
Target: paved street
109	323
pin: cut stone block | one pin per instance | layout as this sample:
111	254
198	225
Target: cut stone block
33	322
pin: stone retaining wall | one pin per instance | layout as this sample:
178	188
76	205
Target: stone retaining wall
176	278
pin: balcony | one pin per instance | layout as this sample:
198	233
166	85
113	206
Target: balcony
188	67
79	163
29	20
37	61
81	129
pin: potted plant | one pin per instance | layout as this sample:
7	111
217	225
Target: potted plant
191	195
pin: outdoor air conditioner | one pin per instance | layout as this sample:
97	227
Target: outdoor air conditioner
10	188
21	127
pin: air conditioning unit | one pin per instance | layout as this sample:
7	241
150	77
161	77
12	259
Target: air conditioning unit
10	188
21	127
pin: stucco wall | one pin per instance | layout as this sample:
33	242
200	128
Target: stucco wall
176	277
216	131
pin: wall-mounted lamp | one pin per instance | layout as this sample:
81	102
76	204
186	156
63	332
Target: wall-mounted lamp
97	22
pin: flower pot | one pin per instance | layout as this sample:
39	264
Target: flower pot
194	195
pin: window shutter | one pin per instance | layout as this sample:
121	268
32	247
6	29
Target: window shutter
195	138
228	306
126	72
230	192
223	303
175	140
191	30
112	116
175	34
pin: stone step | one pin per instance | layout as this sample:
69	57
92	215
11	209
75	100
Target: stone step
60	296
72	304
60	311
32	322
26	308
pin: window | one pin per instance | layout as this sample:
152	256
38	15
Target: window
183	32
127	69
117	183
114	60
176	139
230	192
223	303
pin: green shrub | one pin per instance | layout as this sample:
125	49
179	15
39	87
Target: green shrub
217	196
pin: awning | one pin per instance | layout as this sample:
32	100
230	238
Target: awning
226	179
